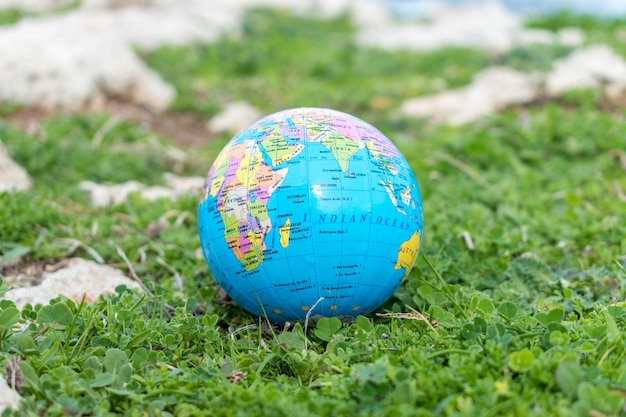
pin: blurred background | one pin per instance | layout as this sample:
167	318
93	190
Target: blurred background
140	57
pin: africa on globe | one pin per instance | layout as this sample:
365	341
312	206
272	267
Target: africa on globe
310	210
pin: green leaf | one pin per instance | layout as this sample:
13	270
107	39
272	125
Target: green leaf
595	331
3	287
138	339
102	380
121	392
568	376
470	332
434	297
58	315
521	361
371	372
486	306
600	397
480	323
25	342
496	330
473	302
9	317
586	392
508	310
616	311
553	316
292	339
326	327
498	333
587	347
93	363
558	338
31	378
364	323
114	360
614	334
15	253
116	363
443	317
139	357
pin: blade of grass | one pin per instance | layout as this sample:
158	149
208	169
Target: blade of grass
444	287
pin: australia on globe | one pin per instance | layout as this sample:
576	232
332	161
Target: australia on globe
310	210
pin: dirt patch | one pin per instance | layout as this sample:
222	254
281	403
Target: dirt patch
27	272
186	130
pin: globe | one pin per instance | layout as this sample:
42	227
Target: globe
310	212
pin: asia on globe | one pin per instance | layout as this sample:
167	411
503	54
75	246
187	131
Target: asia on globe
310	209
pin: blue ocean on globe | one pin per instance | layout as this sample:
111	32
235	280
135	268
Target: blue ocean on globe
310	211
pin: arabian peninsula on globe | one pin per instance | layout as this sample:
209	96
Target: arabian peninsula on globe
310	209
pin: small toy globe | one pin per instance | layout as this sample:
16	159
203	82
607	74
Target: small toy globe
310	211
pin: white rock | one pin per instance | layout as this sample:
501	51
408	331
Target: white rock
367	13
155	192
497	88
103	195
571	37
81	278
234	117
78	60
12	176
485	25
8	397
532	36
107	195
505	86
184	185
589	67
491	90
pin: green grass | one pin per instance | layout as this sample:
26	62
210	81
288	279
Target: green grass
10	16
529	322
534	57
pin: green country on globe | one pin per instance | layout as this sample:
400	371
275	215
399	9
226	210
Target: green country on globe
310	211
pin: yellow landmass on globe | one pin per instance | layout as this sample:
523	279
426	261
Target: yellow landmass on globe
406	196
216	184
285	231
220	164
408	253
249	163
254	256
249	249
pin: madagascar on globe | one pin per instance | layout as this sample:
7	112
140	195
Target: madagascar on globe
310	210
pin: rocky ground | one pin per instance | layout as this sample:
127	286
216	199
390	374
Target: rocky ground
85	60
